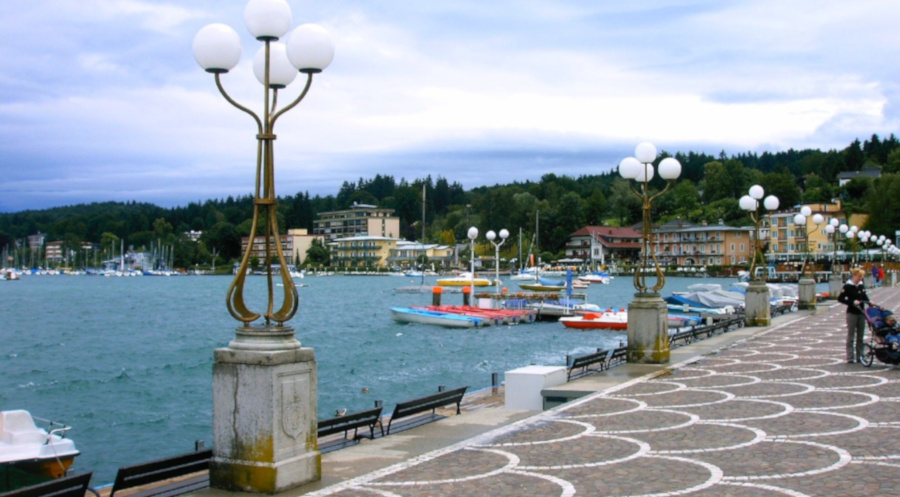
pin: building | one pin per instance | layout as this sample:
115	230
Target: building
603	244
294	245
846	176
53	251
789	241
677	243
682	244
359	220
405	254
362	252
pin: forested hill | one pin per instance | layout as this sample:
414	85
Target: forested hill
707	190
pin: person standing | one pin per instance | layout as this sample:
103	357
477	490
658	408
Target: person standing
854	296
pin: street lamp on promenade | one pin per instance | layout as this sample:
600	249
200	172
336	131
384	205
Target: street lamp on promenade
264	382
491	236
806	285
648	332
640	169
472	234
834	281
757	309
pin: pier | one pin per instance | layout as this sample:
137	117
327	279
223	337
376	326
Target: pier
772	410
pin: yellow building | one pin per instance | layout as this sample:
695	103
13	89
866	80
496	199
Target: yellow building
359	220
294	245
404	255
362	251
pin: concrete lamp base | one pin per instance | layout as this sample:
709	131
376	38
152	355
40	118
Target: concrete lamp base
807	294
648	329
758	310
834	286
264	413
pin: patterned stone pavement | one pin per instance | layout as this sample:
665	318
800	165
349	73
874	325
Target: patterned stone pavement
780	413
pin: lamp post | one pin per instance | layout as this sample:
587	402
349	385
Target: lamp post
806	285
648	340
640	169
472	234
491	236
757	309
834	280
264	383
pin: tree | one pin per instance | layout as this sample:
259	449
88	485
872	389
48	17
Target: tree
318	253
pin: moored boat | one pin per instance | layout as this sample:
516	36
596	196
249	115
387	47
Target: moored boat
463	279
424	316
601	278
500	316
610	319
544	285
30	454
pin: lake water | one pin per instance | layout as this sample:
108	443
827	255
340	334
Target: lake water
127	362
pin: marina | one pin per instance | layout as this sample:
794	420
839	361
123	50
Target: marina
115	357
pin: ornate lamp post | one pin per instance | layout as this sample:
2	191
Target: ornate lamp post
807	284
640	169
757	309
472	234
647	314
491	236
834	281
264	383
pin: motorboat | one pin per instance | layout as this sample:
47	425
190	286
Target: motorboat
464	279
424	316
544	285
31	453
610	319
595	277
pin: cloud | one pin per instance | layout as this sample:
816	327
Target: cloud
102	99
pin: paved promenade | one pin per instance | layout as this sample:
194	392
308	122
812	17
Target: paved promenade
775	411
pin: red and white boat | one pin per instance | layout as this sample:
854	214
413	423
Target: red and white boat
610	319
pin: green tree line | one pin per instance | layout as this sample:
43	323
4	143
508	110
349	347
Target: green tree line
707	190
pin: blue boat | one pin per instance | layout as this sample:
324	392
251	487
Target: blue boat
424	316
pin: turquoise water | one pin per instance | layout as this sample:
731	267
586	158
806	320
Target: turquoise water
127	362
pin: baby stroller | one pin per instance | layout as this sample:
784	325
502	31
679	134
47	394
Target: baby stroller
884	337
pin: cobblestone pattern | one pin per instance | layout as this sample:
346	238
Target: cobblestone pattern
780	413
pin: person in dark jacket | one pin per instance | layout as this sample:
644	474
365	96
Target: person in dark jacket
854	296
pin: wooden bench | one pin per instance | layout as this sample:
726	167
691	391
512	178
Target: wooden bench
69	486
618	356
346	423
423	404
586	361
686	337
158	471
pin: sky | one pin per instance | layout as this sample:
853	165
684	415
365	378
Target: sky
102	99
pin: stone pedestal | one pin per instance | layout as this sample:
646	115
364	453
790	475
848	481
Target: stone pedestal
648	329
834	286
264	413
757	308
892	278
807	294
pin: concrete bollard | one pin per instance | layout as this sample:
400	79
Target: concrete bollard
467	295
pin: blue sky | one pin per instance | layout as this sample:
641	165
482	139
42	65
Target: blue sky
102	99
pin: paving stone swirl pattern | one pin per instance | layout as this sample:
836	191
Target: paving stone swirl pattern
778	414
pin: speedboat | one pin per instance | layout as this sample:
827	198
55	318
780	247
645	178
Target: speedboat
602	278
610	319
33	450
464	279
